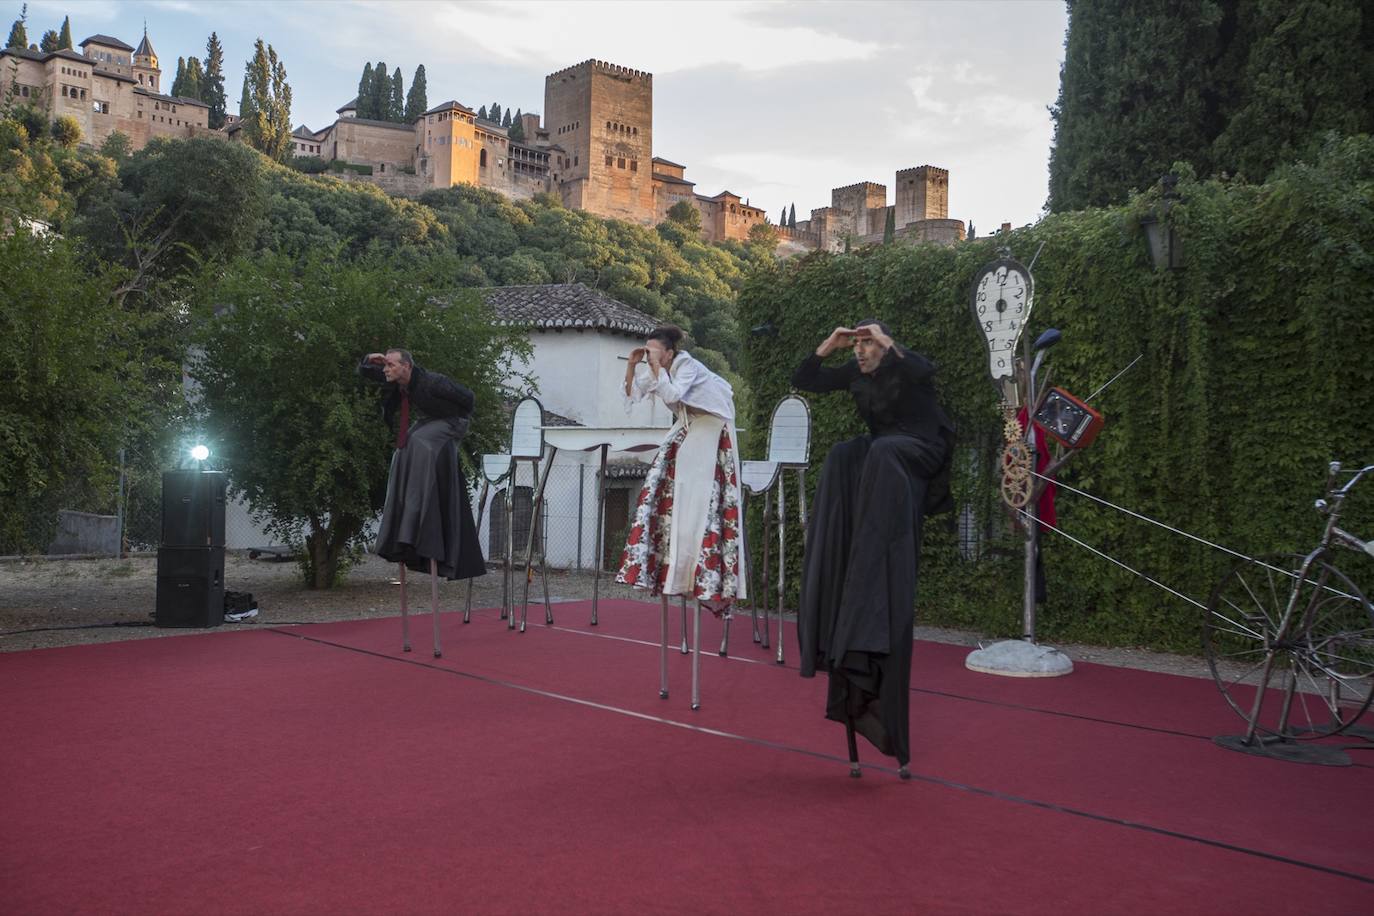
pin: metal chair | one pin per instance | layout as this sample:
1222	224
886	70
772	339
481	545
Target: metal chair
527	446
789	448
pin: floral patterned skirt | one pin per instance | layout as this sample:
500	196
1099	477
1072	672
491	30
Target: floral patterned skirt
686	535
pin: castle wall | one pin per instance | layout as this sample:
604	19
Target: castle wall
922	193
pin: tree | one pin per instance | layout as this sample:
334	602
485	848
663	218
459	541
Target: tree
517	127
66	130
364	103
180	79
482	113
685	215
782	220
116	146
302	438
494	113
890	226
381	92
506	119
245	103
193	84
212	84
396	105
416	102
19	36
269	129
792	220
64	40
49	41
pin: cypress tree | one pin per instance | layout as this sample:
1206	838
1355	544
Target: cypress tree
482	112
364	103
194	84
212	84
180	81
269	129
416	102
396	104
49	41
782	220
245	103
381	92
505	121
890	227
64	40
792	220
495	113
19	35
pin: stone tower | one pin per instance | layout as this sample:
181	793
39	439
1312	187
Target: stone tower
145	68
602	115
922	193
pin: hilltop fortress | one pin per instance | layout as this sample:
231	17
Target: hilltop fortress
594	147
595	150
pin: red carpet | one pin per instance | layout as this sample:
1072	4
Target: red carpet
318	770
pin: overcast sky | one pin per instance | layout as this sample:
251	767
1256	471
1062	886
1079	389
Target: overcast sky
776	101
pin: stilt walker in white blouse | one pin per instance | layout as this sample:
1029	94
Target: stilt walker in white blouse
686	535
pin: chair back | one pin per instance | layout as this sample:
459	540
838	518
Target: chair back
789	434
527	433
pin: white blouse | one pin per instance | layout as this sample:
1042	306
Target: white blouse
687	382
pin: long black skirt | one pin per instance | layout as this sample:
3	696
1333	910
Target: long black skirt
428	513
858	592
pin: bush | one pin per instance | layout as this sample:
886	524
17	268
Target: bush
66	131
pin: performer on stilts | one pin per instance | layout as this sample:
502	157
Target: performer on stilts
427	521
686	536
863	543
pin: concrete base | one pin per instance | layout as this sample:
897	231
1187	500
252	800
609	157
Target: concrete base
84	533
1018	658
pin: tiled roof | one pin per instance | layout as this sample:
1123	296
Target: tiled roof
304	132
24	53
565	305
676	165
350	105
108	42
178	99
145	47
445	106
392	124
41	56
112	75
673	179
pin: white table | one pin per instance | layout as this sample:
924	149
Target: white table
607	439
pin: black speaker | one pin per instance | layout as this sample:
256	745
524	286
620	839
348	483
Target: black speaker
190	587
193	508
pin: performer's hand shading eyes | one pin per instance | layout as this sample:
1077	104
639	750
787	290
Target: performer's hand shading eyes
840	337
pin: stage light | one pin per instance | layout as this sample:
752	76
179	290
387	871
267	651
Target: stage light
200	452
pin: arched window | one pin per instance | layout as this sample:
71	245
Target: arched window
483	161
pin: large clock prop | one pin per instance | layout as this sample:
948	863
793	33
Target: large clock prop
1001	301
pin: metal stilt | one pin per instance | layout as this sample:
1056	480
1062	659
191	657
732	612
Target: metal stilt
508	581
481	511
724	651
685	649
763	590
663	651
696	659
601	537
854	770
405	621
529	548
782	554
434	603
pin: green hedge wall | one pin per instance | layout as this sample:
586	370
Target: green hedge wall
1257	369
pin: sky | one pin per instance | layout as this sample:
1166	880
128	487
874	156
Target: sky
774	100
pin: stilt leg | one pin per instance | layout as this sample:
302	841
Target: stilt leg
508	584
904	771
725	632
782	553
405	621
696	659
685	648
536	511
544	575
434	603
763	590
600	539
481	511
663	651
854	769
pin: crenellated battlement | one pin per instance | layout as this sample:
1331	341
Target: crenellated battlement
601	66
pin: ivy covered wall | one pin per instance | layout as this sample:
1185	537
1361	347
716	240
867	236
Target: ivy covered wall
1257	369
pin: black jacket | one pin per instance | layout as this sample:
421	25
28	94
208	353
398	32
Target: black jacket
898	399
436	396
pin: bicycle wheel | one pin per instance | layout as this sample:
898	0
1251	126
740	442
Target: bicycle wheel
1317	676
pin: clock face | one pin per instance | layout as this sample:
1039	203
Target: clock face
1060	416
1001	303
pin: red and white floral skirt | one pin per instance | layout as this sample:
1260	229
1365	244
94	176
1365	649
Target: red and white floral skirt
686	536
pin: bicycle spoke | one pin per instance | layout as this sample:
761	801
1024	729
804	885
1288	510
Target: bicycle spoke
1249	671
1241	631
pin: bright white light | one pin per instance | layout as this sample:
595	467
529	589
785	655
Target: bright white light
200	452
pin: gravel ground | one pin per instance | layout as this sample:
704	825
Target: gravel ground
72	602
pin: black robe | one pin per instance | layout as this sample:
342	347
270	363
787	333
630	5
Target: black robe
863	543
428	509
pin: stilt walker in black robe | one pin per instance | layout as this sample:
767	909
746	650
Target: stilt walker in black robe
427	520
863	543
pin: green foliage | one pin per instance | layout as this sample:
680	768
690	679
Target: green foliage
19	36
63	354
417	102
396	104
1228	86
300	433
792	219
517	128
212	85
890	227
1255	373
66	130
268	126
380	96
64	39
49	41
364	103
494	113
116	146
180	78
685	215
310	165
